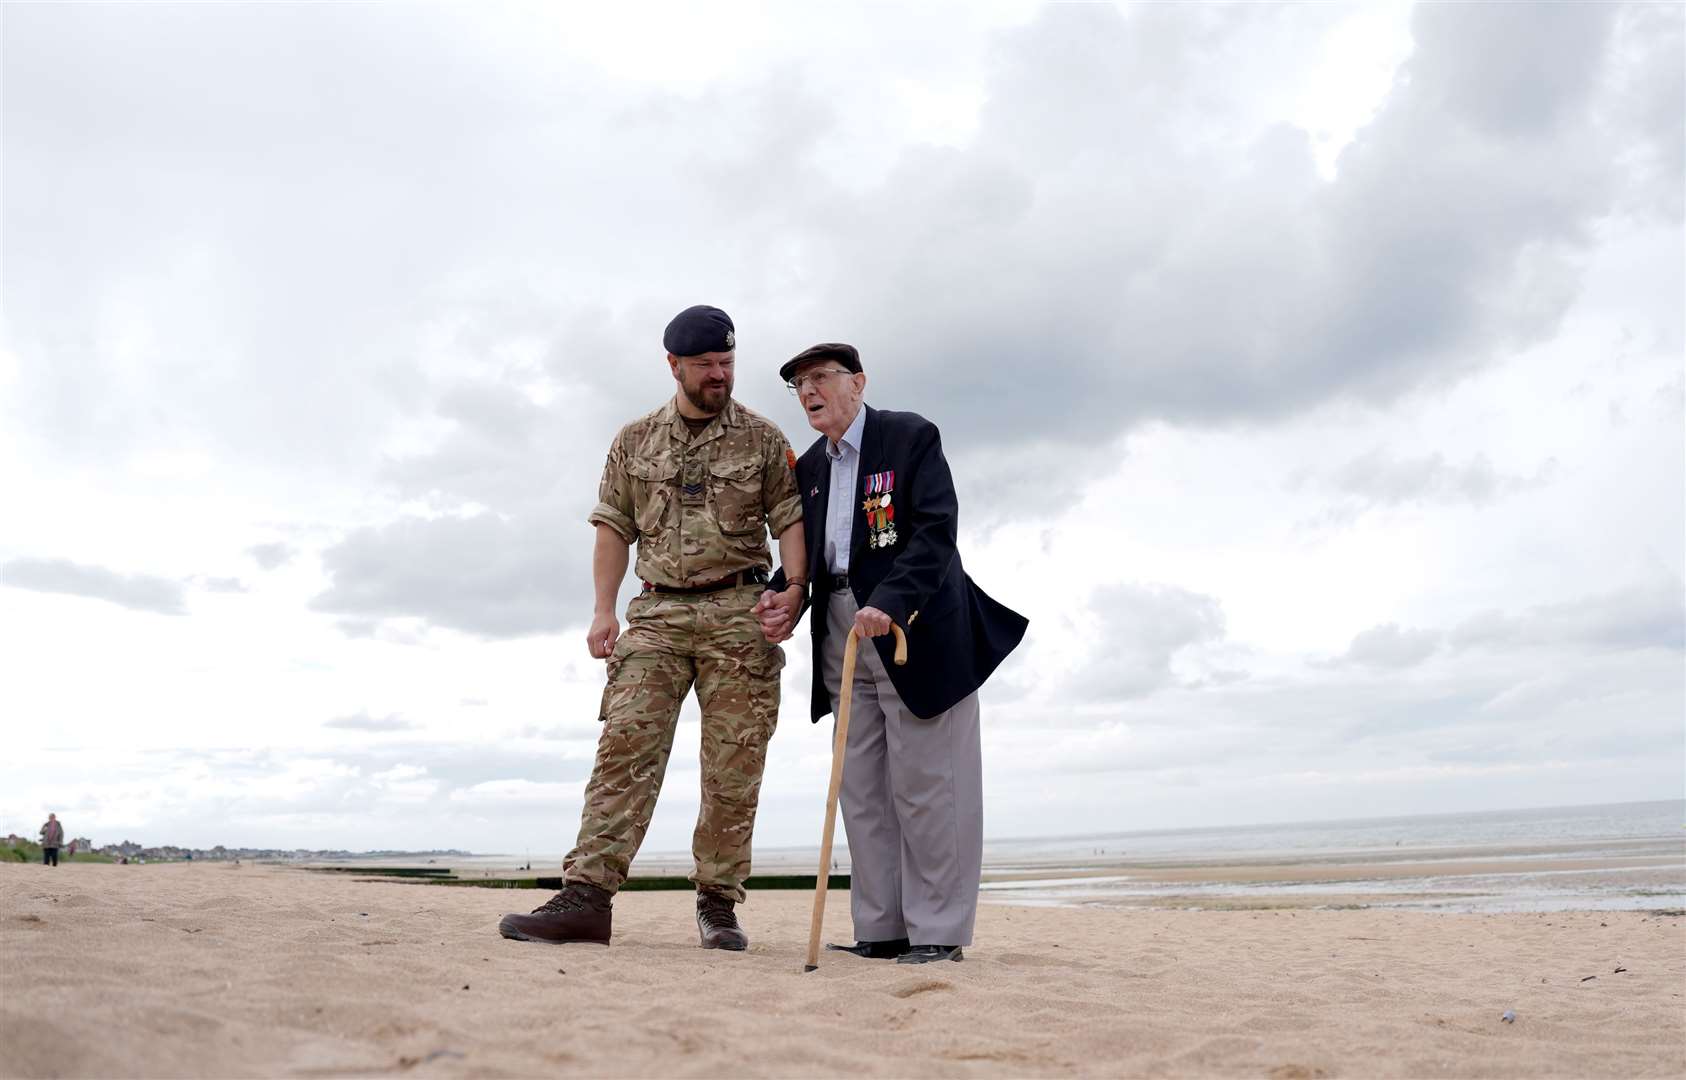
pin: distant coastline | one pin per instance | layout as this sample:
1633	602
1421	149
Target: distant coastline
1615	856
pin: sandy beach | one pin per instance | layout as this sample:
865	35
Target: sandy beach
223	970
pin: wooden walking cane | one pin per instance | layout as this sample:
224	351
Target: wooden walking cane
839	742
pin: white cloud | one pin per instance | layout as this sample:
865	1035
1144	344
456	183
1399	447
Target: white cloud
1390	646
519	791
362	721
139	592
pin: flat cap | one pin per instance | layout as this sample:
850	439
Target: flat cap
847	355
698	330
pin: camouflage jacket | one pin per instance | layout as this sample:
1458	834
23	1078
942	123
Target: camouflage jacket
698	509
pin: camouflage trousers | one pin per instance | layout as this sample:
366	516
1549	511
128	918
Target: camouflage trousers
672	642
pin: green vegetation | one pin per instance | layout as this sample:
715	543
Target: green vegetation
638	884
28	851
662	884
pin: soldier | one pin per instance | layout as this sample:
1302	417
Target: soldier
697	484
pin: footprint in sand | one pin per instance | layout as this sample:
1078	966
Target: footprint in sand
1029	960
923	986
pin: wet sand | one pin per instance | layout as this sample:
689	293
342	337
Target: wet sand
218	970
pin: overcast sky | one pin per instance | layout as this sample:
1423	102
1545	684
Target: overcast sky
1312	376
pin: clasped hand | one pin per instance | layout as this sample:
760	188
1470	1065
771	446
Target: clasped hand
777	613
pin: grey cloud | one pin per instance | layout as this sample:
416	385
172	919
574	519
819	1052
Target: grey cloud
223	585
362	721
403	789
1484	65
1392	647
458	765
1089	242
1490	708
1379	478
453	764
138	592
507	452
488	575
1140	628
1095	258
313	164
1647	615
1651	91
271	556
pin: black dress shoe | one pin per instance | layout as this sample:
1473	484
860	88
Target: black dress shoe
873	950
924	954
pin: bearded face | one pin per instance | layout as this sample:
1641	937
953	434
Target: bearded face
706	380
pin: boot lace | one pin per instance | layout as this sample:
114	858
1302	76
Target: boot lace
716	912
563	902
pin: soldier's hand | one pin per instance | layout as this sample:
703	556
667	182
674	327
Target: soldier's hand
600	639
870	622
777	614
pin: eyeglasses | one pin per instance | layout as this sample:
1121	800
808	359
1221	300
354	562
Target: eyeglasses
813	378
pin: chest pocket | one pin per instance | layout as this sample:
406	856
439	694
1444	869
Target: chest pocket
736	487
654	483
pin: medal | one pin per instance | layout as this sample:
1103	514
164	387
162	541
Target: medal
879	512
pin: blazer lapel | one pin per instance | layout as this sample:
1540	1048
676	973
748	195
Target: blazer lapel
863	469
821	481
816	479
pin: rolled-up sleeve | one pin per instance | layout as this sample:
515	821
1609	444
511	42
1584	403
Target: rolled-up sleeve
779	497
614	496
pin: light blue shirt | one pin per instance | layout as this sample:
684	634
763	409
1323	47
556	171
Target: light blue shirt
845	455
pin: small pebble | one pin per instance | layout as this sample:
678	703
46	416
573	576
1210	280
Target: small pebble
1509	1017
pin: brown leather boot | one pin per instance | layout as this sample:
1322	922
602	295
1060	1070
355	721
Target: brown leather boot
716	924
580	912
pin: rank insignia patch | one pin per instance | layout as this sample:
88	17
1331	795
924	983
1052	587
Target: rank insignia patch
692	484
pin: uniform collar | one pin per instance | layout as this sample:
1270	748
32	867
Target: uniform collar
731	416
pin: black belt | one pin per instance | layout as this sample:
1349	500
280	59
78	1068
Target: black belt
754	576
836	582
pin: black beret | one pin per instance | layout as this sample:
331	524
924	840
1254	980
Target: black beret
698	330
847	355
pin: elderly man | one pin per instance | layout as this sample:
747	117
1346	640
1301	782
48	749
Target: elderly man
696	484
881	518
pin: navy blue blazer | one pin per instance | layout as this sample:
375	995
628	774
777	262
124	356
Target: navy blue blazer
956	634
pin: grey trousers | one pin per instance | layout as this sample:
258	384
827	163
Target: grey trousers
912	802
